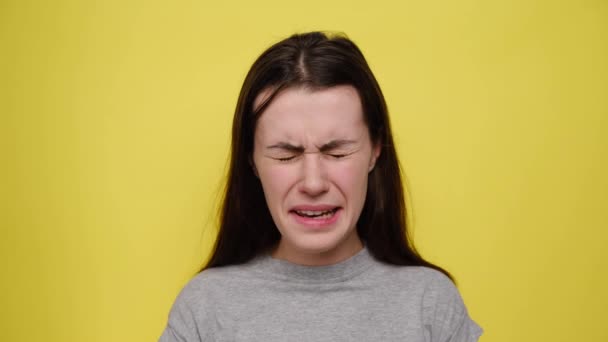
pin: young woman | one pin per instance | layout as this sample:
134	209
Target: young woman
313	243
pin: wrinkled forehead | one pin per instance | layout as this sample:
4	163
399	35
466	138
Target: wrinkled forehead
308	114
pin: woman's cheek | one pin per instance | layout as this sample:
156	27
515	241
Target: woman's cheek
350	177
277	179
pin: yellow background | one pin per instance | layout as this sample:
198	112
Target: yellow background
114	135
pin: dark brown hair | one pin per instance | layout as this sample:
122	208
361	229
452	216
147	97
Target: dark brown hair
316	61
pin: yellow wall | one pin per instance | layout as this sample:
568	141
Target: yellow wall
114	133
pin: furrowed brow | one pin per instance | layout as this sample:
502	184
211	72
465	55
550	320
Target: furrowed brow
334	144
286	147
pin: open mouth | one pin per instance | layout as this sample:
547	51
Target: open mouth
316	214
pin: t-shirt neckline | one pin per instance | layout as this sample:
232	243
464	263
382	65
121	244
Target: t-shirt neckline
287	271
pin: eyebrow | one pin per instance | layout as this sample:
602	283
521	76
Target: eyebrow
324	148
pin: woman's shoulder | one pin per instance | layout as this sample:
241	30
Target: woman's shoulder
202	296
433	284
421	276
216	278
444	313
206	291
443	309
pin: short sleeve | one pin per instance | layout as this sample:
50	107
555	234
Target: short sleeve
445	316
184	320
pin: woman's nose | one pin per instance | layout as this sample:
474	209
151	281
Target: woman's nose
314	178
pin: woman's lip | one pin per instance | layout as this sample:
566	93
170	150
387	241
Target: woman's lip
316	223
318	207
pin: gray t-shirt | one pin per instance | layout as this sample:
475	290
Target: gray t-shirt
359	299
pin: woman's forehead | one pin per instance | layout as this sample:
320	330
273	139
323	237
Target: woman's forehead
330	111
337	94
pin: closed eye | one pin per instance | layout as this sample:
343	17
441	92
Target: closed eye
339	155
284	159
293	157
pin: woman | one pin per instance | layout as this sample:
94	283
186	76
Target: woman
313	244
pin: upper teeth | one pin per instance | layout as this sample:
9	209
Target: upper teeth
311	212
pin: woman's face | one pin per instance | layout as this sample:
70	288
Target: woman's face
312	154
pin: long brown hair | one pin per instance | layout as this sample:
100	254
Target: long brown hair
314	60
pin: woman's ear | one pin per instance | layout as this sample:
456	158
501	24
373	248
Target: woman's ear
376	150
